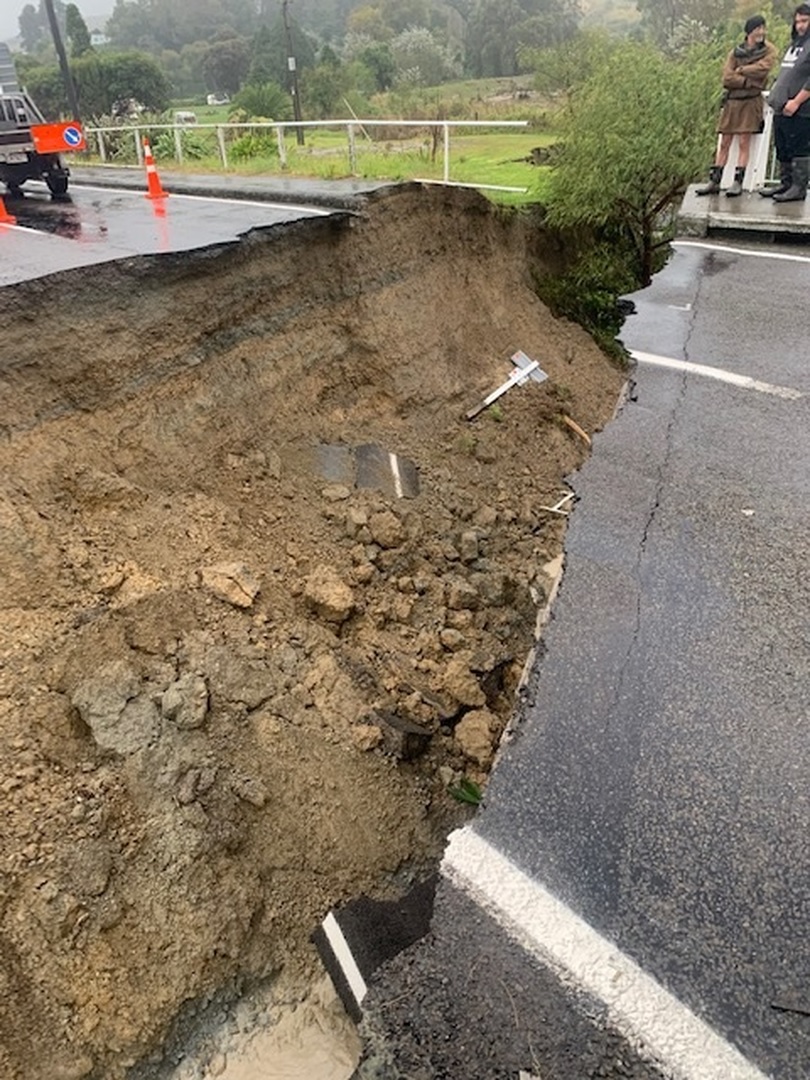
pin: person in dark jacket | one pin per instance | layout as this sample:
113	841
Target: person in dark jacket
790	100
745	74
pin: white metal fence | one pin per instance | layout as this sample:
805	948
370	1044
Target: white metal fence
123	144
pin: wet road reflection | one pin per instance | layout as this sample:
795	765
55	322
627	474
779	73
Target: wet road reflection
92	225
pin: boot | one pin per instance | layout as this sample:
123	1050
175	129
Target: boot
785	180
797	192
713	186
736	186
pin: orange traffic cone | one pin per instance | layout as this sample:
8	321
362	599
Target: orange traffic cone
155	191
5	217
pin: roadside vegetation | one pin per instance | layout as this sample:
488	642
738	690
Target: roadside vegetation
619	98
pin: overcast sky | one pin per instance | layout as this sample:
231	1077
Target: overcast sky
10	11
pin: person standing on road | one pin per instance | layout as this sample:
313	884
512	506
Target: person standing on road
745	74
790	100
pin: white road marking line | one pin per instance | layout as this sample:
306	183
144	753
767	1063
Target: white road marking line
741	251
314	210
25	229
393	461
743	381
640	1008
343	954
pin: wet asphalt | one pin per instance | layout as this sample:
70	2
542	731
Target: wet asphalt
659	779
658	782
107	216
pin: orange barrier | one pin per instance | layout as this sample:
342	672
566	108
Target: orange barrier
5	217
154	189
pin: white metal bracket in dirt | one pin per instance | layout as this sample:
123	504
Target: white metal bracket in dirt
525	369
558	507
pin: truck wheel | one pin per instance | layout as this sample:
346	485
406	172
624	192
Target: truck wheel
57	183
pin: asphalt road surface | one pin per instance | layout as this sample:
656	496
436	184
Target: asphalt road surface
98	224
646	833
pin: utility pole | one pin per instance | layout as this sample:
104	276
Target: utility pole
70	86
292	74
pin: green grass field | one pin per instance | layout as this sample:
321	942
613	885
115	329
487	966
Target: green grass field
490	158
477	158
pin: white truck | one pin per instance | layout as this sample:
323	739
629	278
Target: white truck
29	147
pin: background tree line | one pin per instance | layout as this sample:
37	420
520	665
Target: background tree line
204	46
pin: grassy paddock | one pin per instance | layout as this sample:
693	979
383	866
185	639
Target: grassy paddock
496	158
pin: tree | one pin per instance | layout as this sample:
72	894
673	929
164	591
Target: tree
421	60
563	68
226	63
499	31
661	18
268	61
47	88
77	32
379	60
634	135
387	18
101	79
324	88
170	24
32	31
263	58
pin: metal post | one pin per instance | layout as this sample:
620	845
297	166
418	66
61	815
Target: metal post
446	152
282	146
70	86
222	151
102	147
138	146
178	144
293	73
352	150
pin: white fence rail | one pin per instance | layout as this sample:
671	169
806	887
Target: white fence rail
108	139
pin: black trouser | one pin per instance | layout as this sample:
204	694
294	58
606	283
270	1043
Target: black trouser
791	136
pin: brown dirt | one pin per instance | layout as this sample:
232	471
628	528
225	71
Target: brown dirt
195	771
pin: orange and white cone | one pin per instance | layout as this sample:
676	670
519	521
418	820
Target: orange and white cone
5	217
154	189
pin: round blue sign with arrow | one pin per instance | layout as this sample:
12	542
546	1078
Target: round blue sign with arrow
72	136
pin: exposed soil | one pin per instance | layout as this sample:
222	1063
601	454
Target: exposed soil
234	686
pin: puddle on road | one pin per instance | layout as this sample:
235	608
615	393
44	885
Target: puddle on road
310	1038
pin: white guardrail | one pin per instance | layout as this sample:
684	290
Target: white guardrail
104	136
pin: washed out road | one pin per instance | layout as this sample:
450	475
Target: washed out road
646	833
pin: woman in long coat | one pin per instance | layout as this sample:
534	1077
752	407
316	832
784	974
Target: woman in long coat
745	75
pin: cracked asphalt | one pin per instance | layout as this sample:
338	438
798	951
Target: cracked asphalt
659	780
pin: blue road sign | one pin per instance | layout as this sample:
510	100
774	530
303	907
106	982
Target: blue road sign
72	136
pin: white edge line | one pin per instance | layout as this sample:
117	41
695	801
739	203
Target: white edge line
741	251
743	381
24	228
662	1028
343	954
314	210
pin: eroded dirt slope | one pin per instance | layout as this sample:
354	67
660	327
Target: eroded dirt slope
234	685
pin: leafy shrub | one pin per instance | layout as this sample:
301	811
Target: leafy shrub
264	99
194	148
589	290
253	145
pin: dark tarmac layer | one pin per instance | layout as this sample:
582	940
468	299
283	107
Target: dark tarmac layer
96	223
